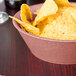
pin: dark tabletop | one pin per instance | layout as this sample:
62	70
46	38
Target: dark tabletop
17	60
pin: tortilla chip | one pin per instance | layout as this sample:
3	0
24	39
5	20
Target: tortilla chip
63	28
22	28
48	8
62	2
48	32
72	11
29	28
25	13
42	25
53	17
74	15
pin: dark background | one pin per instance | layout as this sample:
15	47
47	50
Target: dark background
73	0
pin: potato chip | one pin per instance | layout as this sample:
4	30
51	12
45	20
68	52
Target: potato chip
62	2
29	28
48	8
25	13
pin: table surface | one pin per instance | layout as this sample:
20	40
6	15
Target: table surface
17	60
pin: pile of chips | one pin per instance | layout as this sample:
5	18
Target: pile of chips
56	19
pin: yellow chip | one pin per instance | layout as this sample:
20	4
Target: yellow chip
47	32
25	13
42	25
53	17
29	28
22	28
74	15
48	8
62	2
72	11
63	28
